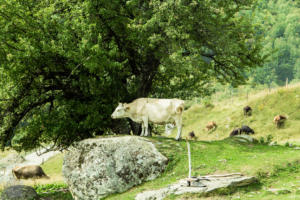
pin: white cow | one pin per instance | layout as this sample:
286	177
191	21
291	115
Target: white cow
157	111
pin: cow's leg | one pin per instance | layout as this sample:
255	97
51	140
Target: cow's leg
143	129
178	122
145	121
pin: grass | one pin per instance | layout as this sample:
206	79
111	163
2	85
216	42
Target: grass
53	188
228	115
276	167
53	192
219	157
53	169
284	181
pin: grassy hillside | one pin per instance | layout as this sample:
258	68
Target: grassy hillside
228	114
227	156
276	167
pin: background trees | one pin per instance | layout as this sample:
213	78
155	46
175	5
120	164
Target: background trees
281	31
65	64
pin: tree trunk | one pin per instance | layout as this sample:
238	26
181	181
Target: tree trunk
136	128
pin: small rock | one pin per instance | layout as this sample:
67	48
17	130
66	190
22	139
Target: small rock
18	192
274	143
279	191
244	138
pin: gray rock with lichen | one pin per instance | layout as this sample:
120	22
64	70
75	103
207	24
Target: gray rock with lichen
95	168
18	192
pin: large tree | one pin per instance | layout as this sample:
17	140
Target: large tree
66	63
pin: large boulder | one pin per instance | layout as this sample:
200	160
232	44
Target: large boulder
18	192
95	168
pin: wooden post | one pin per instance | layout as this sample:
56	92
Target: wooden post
286	82
189	156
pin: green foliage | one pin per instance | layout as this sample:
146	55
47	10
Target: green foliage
65	64
261	140
280	29
53	191
207	103
49	188
268	139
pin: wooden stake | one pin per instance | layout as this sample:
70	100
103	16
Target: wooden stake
189	156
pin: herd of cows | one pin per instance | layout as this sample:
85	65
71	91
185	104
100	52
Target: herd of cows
157	111
278	120
162	111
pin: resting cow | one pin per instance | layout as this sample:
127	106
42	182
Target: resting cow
29	171
247	130
236	131
244	130
157	111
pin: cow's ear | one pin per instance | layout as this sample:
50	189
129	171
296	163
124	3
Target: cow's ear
127	108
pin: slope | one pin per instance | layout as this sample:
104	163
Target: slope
228	114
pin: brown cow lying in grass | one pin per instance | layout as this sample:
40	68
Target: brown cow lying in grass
211	125
279	120
29	171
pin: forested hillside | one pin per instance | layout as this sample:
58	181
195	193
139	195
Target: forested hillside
280	23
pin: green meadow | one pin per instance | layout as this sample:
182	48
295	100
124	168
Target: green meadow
277	168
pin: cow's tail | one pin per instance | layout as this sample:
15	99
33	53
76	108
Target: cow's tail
46	177
179	109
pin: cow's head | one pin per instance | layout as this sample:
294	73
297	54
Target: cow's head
16	173
120	111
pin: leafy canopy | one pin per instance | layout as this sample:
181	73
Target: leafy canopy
281	29
65	64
